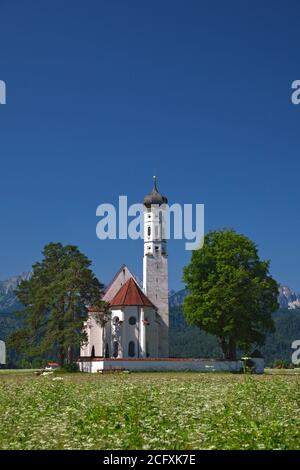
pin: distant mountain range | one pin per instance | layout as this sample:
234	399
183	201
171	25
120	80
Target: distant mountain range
9	302
286	298
8	298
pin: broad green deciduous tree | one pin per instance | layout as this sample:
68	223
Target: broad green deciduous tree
55	301
231	294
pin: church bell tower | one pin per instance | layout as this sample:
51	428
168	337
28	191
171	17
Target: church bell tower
155	263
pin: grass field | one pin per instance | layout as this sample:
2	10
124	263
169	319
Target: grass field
149	411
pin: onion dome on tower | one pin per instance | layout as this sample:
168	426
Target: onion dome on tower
154	198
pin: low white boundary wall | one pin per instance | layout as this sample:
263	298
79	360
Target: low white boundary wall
198	365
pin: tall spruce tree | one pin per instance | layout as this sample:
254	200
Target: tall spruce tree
231	294
55	301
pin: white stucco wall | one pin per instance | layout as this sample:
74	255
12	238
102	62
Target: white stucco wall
199	365
151	332
131	332
96	338
116	331
95	334
84	350
124	332
155	274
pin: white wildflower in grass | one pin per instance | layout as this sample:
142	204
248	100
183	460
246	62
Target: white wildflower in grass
149	411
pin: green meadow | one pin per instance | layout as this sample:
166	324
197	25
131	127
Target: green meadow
149	411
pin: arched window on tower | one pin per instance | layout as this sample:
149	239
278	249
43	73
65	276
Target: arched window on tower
93	352
131	349
149	231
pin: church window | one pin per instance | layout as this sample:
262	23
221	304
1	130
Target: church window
149	231
106	350
131	349
156	231
115	349
132	320
93	352
116	320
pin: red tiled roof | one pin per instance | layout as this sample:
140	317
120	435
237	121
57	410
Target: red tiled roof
131	294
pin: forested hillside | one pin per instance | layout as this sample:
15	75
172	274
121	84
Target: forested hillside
188	341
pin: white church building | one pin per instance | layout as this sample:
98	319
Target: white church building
138	320
134	333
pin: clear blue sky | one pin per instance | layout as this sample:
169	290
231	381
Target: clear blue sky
101	95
